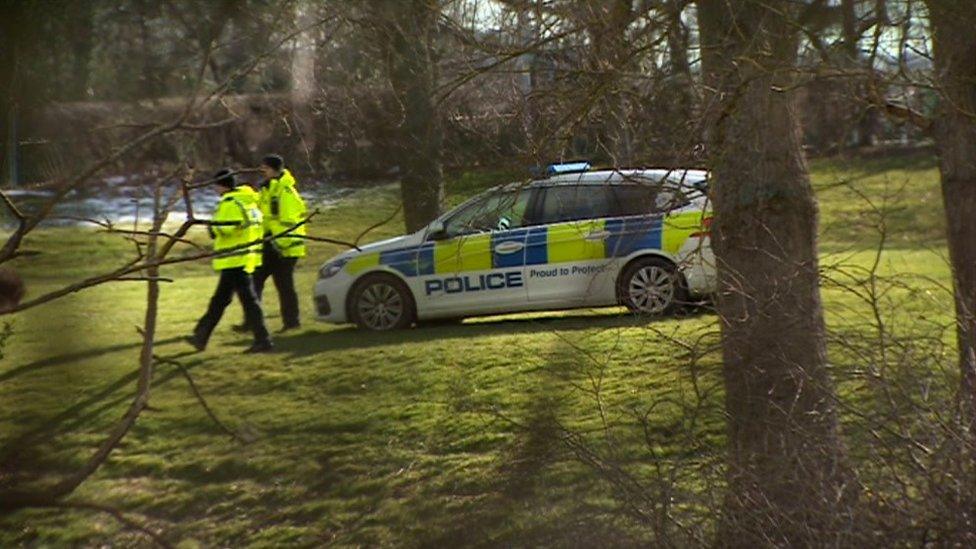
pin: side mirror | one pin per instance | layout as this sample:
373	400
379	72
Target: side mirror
435	231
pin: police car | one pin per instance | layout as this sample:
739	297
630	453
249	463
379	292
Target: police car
577	238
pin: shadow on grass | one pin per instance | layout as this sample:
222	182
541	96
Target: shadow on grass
516	508
315	341
72	357
84	412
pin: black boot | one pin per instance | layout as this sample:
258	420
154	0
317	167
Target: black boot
265	347
196	343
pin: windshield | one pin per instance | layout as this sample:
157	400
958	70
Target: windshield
497	210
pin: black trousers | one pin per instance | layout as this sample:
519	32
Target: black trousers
281	270
233	281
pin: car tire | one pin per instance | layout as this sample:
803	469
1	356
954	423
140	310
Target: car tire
652	286
381	303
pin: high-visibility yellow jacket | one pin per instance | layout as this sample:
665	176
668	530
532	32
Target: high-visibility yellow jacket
283	208
238	206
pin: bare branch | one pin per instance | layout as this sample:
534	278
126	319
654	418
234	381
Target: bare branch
149	263
18	215
375	226
199	396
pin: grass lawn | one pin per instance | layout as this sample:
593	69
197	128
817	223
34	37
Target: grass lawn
486	433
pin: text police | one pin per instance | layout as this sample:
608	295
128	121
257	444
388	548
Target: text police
466	283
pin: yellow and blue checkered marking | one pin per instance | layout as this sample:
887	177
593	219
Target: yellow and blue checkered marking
628	235
558	243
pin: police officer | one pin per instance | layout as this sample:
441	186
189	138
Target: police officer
282	209
236	221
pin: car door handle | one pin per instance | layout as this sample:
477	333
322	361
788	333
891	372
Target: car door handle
509	247
598	235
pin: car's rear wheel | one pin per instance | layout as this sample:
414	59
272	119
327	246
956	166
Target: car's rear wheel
651	286
380	303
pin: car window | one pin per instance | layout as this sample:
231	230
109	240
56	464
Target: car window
645	199
572	203
496	212
634	199
671	198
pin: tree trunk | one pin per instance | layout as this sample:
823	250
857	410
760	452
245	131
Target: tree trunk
81	39
11	84
681	86
952	23
303	83
677	35
147	86
786	469
526	81
865	116
607	21
406	31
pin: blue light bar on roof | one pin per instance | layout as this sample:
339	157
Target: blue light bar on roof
568	167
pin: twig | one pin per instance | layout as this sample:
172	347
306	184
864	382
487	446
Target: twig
209	125
139	265
12	207
144	279
109	227
152	233
329	241
449	88
212	180
369	229
18	499
27	224
199	396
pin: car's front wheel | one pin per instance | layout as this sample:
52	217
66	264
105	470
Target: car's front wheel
651	286
380	303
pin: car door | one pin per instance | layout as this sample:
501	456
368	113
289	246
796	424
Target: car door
479	266
567	264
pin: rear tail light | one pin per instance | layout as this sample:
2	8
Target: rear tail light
706	228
